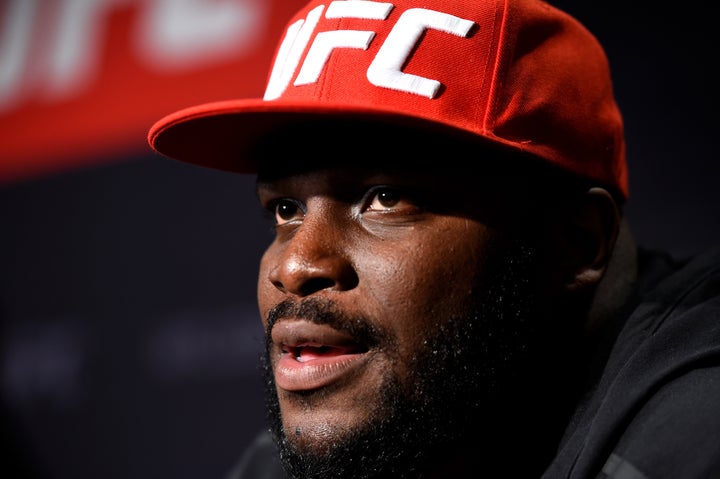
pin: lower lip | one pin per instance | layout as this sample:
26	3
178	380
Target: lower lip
294	375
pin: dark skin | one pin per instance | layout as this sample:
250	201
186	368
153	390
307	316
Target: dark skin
374	271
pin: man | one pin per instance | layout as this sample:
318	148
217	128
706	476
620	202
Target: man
453	290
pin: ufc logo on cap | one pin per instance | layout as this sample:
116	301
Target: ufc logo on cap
385	71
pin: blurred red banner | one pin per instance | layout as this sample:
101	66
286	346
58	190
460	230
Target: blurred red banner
81	81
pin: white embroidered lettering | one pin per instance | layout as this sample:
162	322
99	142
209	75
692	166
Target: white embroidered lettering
291	49
326	42
386	68
385	71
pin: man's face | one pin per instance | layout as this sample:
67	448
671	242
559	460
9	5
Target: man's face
394	305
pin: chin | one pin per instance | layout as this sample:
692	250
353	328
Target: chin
317	431
317	421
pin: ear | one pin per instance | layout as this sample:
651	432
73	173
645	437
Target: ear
593	229
590	228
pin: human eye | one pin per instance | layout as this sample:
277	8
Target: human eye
285	210
388	199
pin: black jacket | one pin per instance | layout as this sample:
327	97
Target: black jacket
654	410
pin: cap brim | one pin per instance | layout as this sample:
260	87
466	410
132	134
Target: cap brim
220	135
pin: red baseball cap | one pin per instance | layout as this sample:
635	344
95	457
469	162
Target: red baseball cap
516	73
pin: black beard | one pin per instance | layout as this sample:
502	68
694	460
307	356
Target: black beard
468	386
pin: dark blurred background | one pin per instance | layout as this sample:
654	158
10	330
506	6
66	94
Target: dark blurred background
129	330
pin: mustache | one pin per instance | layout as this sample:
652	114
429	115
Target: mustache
325	312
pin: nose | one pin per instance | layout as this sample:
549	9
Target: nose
315	259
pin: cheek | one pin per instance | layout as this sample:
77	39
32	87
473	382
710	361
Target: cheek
417	287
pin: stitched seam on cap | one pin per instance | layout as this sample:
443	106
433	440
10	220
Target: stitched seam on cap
490	99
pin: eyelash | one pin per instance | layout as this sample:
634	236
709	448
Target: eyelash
396	196
380	194
273	206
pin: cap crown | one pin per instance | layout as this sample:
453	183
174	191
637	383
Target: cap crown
520	73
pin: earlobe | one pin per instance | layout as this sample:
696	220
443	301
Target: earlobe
593	226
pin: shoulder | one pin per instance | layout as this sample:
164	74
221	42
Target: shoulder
672	428
676	322
654	411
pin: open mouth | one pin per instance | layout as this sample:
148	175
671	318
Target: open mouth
313	352
314	356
